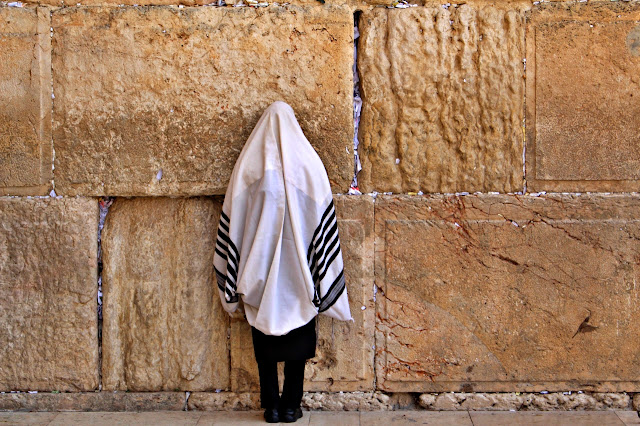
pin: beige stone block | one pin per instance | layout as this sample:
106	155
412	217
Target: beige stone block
228	401
629	417
606	418
159	101
93	401
48	294
520	401
443	99
347	401
344	353
415	417
132	419
163	325
507	293
583	91
25	96
33	419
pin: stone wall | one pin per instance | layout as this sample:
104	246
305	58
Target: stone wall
492	245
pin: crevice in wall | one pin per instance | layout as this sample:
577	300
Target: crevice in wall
357	106
186	401
53	99
524	120
104	203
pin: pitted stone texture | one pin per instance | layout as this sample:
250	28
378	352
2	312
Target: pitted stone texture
93	401
163	325
443	98
211	401
48	294
526	401
25	96
159	101
583	97
344	353
487	293
636	402
347	401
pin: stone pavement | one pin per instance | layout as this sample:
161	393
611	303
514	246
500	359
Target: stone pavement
321	418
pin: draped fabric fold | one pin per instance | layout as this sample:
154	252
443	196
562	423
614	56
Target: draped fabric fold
278	251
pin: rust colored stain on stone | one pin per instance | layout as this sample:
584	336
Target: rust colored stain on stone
163	326
178	90
48	294
25	99
583	97
443	99
344	353
494	296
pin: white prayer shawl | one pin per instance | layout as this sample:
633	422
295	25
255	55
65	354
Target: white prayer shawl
278	248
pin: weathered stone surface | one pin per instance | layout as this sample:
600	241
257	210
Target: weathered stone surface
33	419
145	418
94	401
344	354
629	417
48	294
525	401
636	402
25	96
607	418
443	98
583	97
210	401
504	293
347	401
328	401
351	3
143	90
163	325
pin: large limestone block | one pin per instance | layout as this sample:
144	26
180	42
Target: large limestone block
93	401
443	99
508	293
25	99
583	97
161	100
163	326
48	294
344	353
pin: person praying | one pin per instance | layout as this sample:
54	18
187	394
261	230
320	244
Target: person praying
277	257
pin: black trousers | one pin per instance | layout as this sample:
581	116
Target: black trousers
292	389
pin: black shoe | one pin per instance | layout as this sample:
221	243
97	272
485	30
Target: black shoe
290	415
271	415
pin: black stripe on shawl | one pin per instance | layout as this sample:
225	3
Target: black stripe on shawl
335	291
319	253
232	246
317	275
317	231
220	278
323	250
227	283
223	285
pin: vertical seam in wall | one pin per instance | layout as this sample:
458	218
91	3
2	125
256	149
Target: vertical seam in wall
187	394
357	105
53	99
103	204
524	109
